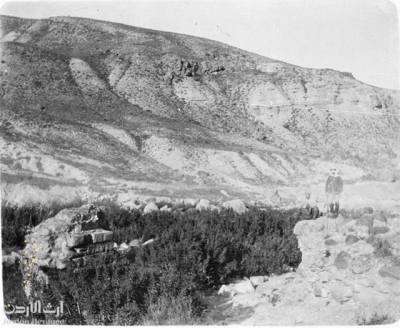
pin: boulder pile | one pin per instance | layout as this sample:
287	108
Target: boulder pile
187	206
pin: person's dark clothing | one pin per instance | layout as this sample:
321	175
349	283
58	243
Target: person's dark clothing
334	185
309	213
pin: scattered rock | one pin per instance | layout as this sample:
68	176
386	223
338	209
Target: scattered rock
379	216
124	246
351	239
150	207
392	272
135	243
330	242
165	208
227	290
365	221
379	230
237	205
244	287
257	280
368	210
150	241
320	290
342	260
203	204
361	264
340	292
378	223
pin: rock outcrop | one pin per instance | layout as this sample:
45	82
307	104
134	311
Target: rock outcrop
71	235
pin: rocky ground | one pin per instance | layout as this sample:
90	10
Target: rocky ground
343	279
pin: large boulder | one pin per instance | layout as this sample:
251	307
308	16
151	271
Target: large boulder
237	205
203	204
150	207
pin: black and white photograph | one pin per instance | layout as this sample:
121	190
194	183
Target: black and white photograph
198	162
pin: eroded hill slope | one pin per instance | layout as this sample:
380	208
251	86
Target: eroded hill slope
100	107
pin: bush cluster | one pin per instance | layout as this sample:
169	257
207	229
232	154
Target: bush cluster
164	282
229	245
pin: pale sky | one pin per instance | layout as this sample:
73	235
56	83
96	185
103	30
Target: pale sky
357	36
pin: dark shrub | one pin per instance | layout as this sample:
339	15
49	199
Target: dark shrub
193	252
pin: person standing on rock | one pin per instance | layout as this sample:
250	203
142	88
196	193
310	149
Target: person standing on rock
308	206
333	190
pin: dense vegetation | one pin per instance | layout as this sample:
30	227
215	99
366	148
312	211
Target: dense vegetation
165	282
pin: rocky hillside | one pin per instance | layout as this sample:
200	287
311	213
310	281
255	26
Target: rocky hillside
92	107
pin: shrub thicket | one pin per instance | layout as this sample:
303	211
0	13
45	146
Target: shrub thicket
193	252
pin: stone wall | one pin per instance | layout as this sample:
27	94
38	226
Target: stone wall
354	261
349	274
70	235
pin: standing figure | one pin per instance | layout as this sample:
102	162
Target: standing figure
333	190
